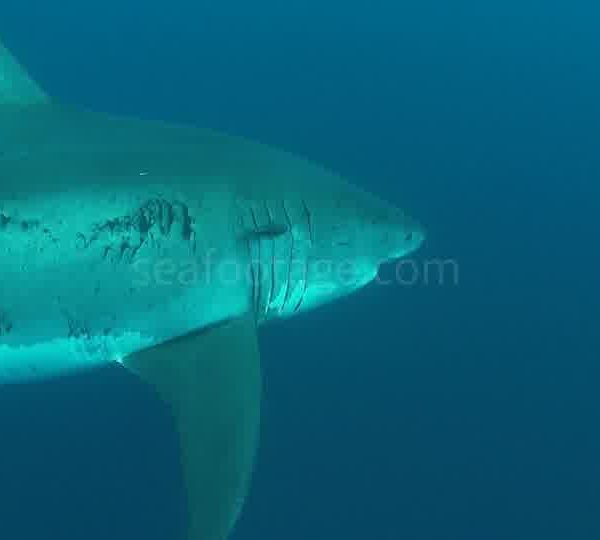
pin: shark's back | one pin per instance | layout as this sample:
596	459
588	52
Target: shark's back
58	141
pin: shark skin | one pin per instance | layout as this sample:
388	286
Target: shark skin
121	234
163	248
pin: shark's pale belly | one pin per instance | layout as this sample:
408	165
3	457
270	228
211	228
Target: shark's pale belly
60	356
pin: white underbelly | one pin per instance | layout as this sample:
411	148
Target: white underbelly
54	347
63	356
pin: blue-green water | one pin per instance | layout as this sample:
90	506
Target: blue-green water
466	410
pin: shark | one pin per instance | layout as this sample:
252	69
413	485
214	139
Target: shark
163	249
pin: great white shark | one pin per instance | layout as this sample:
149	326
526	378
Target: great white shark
163	248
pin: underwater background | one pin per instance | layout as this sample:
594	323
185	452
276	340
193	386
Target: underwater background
465	407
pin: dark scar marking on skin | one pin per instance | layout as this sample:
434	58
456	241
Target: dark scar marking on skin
26	225
4	220
77	329
124	236
9	224
6	324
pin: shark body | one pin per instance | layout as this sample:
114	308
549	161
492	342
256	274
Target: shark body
163	248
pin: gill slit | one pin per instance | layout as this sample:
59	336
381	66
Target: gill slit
258	276
270	296
310	235
291	261
308	221
249	242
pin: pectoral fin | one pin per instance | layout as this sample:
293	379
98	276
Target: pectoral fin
212	383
